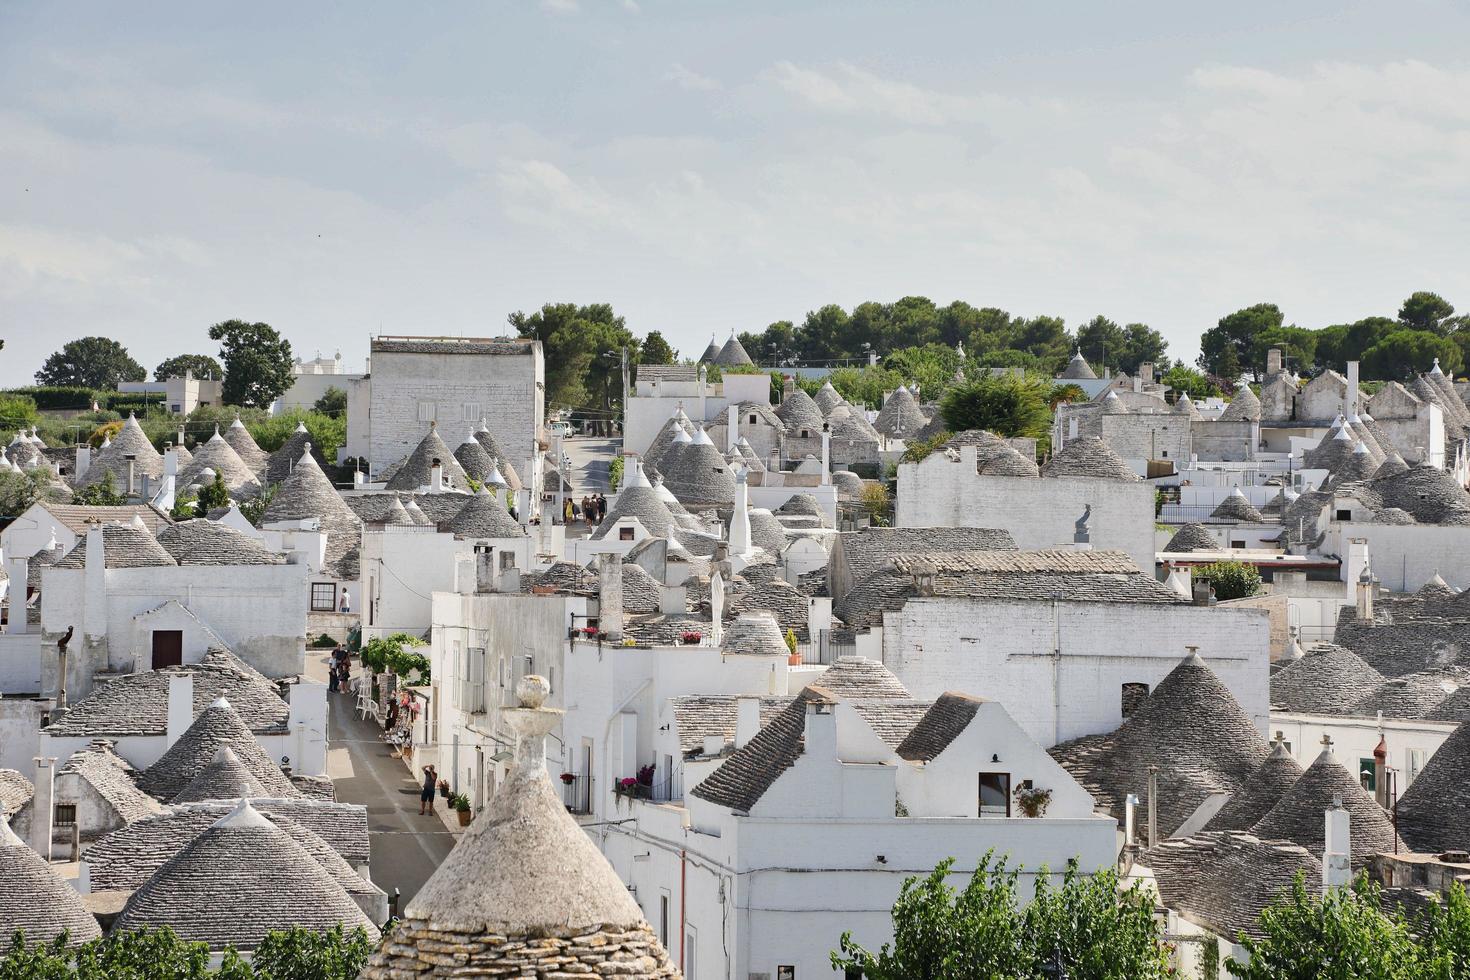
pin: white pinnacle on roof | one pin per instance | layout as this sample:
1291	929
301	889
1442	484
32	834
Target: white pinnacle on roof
106	441
633	475
702	437
1435	369
495	479
220	702
683	438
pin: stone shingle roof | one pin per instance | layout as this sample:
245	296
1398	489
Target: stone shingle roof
1404	643
15	792
37	900
205	542
77	516
123	546
283	462
453	345
1271	781
1427	493
698	474
827	398
741	781
788	604
1191	537
1243	407
1327	680
378	508
850	424
245	446
667	433
1191	727
641	592
1434	812
137	704
900	417
767	531
1089	456
705	715
307	493
799	412
945	720
224	778
114	779
240	879
868	550
493	448
1236	508
1222	880
1078	369
1412	695
1297	817
484	517
711	352
642	503
562	575
474	460
217	726
220	457
993	455
130	440
414	470
733	354
755	634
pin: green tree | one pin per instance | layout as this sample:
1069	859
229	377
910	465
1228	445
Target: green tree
302	954
1186	379
1405	353
257	362
656	350
1102	342
1006	405
202	366
103	493
1232	579
396	653
576	340
91	362
1231	343
1298	344
1047	339
213	495
1142	343
1084	928
1338	344
1426	311
332	402
20	490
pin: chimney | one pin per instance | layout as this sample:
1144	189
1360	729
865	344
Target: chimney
1365	595
1273	361
510	576
788	387
180	706
84	461
1380	766
131	486
94	583
1146	372
1130	820
732	433
1153	806
1072	428
1351	408
747	719
43	805
170	461
610	595
1204	595
826	454
484	568
740	543
436	477
821	727
1337	871
673	599
358	479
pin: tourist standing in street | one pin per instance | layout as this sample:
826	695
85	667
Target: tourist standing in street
426	797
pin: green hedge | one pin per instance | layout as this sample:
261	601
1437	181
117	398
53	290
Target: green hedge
52	398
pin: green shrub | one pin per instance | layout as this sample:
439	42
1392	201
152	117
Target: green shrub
395	653
51	398
323	641
1231	579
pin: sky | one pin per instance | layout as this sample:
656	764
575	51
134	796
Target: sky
345	169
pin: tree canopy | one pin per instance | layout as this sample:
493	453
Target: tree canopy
656	350
257	362
332	402
91	362
1008	405
202	366
582	346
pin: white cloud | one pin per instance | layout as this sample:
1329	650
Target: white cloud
690	80
561	6
846	88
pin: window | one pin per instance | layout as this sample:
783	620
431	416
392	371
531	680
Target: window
1134	694
323	597
995	794
805	433
1367	776
1416	766
753	418
66	814
1237	544
1166	454
427	411
663	919
785	973
1344	515
474	680
625	534
472	412
689	953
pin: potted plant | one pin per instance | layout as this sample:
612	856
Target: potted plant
568	778
1030	801
444	788
461	804
690	637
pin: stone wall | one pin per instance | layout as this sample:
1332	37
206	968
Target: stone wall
419	948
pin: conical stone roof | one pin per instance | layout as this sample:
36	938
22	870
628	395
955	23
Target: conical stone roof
36	900
1427	493
507	470
698	474
1298	817
245	446
218	726
239	880
1332	451
827	398
673	425
901	415
1392	465
755	634
1089	456
525	871
1266	787
1410	696
642	503
1358	466
733	354
1191	727
1185	406
415	470
112	459
282	463
1328	680
1192	537
475	461
218	455
1434	812
799	412
1243	407
225	778
308	493
1078	369
484	517
1236	508
710	353
1111	404
397	515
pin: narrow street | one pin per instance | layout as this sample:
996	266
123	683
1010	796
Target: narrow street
590	458
406	848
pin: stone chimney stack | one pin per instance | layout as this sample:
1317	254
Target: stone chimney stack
484	568
1380	767
94	583
131	486
180	706
436	477
1365	594
826	454
1337	870
610	595
732	433
1146	372
747	719
740	543
43	805
84	461
788	387
1353	393
1273	361
821	726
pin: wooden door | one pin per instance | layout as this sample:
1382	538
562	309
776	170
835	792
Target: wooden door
168	648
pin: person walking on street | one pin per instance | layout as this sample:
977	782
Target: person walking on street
426	796
334	672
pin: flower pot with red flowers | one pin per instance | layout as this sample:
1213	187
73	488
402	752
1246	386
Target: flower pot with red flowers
568	778
690	638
